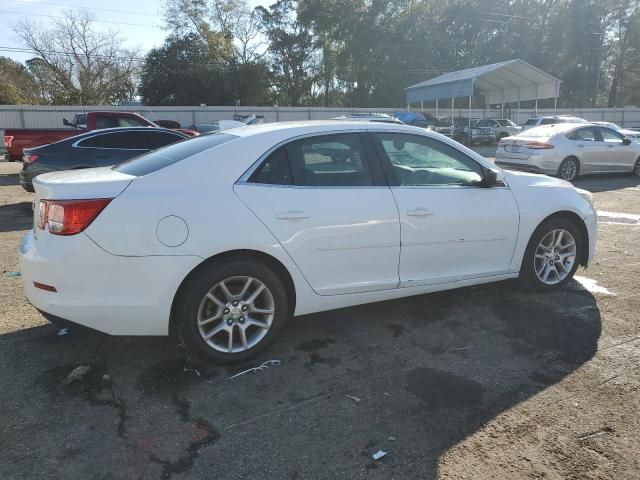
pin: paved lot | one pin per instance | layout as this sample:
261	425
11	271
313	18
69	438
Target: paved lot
484	382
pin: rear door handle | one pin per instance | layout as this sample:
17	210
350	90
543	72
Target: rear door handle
419	212
292	215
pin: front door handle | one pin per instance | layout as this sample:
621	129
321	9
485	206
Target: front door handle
419	212
292	215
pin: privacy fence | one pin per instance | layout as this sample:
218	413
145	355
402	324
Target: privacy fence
28	116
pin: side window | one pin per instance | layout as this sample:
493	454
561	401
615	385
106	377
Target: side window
550	121
329	161
584	135
156	139
422	161
610	136
129	140
106	122
275	170
130	122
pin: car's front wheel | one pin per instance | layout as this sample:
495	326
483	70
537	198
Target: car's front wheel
230	311
551	258
636	168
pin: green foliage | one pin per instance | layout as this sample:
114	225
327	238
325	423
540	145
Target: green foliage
17	85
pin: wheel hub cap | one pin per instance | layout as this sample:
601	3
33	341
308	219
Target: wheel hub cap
555	256
236	314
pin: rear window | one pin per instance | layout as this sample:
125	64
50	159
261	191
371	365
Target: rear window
532	121
163	157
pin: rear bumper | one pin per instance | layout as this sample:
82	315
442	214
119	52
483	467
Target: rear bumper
518	166
111	294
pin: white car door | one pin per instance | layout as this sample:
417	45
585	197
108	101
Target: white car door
451	228
325	199
584	143
616	156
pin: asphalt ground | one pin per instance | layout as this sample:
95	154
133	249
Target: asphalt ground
483	382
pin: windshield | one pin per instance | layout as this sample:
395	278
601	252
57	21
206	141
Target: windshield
163	157
506	123
532	121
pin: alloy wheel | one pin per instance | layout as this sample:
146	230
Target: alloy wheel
236	314
568	170
555	256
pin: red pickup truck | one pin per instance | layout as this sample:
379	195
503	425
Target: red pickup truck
15	140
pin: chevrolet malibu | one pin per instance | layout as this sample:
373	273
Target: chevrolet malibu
288	219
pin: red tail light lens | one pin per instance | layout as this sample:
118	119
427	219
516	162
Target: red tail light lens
69	217
8	141
539	146
31	158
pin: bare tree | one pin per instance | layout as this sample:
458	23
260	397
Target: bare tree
76	63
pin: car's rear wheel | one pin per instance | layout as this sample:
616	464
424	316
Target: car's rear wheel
551	258
636	169
231	311
569	169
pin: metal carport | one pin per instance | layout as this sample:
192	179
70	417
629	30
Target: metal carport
504	82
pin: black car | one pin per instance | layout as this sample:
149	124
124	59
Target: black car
98	148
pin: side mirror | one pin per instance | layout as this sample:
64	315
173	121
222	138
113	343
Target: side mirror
66	123
492	178
626	141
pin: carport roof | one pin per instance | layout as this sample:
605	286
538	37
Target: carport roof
510	81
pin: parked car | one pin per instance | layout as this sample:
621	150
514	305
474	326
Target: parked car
502	127
631	134
551	120
370	117
93	149
216	126
16	140
227	255
568	150
474	136
424	120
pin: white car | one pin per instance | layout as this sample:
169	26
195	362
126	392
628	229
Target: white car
223	237
632	134
568	150
502	127
551	120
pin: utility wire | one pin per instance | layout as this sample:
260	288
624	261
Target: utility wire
97	21
80	7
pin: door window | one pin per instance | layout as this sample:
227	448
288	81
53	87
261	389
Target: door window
121	140
610	136
114	122
275	170
330	161
155	139
422	161
584	135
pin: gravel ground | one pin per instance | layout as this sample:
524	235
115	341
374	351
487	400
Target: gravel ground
484	382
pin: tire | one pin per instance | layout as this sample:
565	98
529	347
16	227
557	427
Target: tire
569	169
203	298
533	268
636	169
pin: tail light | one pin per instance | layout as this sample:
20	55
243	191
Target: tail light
69	217
8	141
539	146
30	158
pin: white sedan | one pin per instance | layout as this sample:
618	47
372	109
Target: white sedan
568	150
223	237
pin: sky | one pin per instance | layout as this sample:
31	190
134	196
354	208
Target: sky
139	22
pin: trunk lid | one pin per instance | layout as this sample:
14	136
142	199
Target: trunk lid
516	147
88	183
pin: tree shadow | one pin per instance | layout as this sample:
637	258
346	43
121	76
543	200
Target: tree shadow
16	216
412	377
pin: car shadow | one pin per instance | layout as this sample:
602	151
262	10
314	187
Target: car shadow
607	183
16	216
411	377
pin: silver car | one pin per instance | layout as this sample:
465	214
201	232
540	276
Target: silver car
568	150
551	120
631	134
502	127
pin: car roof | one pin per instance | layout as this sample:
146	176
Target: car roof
555	128
320	126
